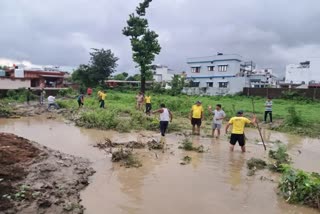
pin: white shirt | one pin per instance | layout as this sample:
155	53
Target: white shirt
218	115
51	99
165	116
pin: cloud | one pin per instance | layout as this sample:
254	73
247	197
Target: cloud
272	33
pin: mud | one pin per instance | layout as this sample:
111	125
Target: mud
215	181
36	179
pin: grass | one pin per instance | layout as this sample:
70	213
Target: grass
304	121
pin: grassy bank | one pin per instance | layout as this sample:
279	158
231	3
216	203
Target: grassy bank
121	108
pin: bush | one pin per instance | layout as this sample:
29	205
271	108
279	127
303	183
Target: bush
65	92
297	186
280	157
293	118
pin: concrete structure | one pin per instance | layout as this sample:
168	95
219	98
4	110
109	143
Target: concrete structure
218	75
22	78
262	78
8	83
307	72
162	73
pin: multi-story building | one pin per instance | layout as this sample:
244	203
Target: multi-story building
162	74
304	73
262	78
218	75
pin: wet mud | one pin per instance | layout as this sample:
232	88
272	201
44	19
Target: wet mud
215	181
35	179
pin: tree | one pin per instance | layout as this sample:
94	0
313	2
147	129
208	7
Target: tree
177	84
100	67
122	76
144	42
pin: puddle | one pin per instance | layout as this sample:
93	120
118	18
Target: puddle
214	182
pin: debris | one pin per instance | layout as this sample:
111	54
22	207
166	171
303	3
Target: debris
153	144
188	146
185	160
255	163
126	157
280	157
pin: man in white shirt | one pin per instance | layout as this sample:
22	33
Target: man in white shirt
218	116
165	117
51	102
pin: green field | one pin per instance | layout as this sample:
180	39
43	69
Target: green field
122	103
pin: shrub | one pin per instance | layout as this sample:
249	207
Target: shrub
297	186
65	92
293	118
280	157
123	126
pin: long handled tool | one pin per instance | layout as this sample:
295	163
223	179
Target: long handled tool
253	109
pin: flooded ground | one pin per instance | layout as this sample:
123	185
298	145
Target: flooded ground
214	182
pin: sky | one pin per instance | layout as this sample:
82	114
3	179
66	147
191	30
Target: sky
272	33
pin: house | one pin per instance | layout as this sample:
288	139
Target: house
262	78
162	74
304	73
15	78
221	74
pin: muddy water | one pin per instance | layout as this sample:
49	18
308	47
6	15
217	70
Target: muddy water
214	182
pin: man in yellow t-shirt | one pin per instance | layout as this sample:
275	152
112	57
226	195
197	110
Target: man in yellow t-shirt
196	116
147	100
237	135
103	96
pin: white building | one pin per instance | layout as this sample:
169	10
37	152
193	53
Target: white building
304	72
218	75
262	78
162	73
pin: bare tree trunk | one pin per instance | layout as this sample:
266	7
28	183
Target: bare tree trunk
143	83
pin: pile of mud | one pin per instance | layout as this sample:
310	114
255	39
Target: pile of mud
35	179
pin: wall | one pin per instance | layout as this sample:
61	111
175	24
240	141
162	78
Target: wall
235	85
233	68
315	69
296	75
7	83
162	74
312	93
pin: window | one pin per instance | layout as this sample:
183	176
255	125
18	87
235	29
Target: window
222	68
210	68
195	69
223	84
210	84
194	84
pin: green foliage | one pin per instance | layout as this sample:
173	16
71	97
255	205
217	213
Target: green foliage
101	65
65	92
144	42
280	157
121	76
177	85
300	187
187	145
293	118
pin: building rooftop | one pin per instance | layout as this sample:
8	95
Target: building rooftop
219	57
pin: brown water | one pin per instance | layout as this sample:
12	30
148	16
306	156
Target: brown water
214	182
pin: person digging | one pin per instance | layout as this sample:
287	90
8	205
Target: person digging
238	124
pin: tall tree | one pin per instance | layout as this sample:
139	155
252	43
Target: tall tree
144	42
100	67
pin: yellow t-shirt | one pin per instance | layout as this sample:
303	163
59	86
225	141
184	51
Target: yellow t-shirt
238	124
196	111
148	99
99	94
103	96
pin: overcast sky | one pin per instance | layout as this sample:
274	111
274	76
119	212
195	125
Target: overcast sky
272	33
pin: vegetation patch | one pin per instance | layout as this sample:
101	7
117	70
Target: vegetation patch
300	187
187	145
279	157
255	164
126	158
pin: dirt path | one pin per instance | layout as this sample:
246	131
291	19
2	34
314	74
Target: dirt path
35	179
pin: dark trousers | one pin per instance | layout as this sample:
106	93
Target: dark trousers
102	104
266	115
148	107
163	127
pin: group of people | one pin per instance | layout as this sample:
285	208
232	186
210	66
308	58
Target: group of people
237	122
